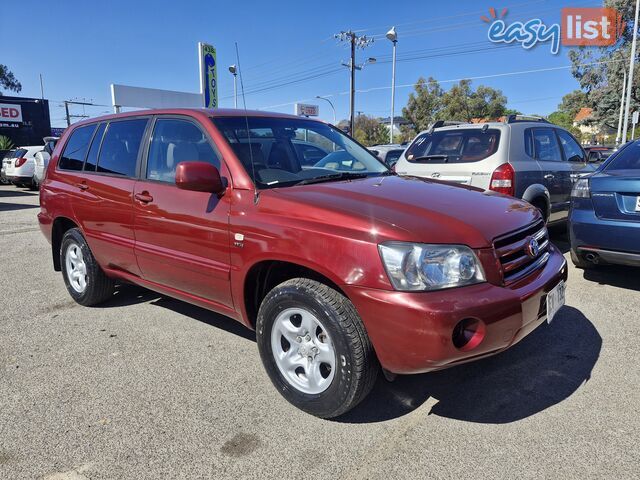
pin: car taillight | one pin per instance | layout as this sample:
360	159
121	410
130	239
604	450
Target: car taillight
503	180
20	161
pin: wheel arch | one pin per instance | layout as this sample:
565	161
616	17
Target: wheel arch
264	275
60	226
538	196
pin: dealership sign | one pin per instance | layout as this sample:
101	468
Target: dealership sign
306	110
10	113
208	75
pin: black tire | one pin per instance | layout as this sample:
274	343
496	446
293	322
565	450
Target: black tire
581	263
34	184
357	365
98	287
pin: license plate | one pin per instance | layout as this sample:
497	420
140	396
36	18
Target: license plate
638	204
555	300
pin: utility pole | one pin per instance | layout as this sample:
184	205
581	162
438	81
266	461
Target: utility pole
624	86
354	41
68	115
392	36
630	82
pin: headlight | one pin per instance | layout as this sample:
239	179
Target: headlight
581	189
420	266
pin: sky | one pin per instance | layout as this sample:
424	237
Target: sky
287	49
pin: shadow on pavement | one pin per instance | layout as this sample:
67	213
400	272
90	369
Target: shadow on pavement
559	237
614	275
542	370
16	193
131	294
5	207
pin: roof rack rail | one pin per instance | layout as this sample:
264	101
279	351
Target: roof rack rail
444	123
525	118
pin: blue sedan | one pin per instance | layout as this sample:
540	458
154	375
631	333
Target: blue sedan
604	219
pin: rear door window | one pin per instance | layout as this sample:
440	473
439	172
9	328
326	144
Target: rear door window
454	146
120	146
543	145
74	152
176	141
92	157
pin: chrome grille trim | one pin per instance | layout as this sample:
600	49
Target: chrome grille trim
511	251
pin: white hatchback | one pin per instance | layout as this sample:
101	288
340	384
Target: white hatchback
21	166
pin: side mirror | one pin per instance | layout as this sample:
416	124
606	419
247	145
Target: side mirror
199	177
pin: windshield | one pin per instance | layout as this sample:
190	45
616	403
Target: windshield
454	146
281	152
627	158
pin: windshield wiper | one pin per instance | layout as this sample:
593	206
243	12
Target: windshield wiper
333	176
431	157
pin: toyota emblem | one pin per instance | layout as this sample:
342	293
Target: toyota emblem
532	248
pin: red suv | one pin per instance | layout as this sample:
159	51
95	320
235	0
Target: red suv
341	267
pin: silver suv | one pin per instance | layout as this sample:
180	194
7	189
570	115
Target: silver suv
525	157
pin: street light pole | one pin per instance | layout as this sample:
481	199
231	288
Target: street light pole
630	81
624	86
332	107
393	37
234	71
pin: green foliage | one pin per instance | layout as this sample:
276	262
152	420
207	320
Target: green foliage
429	102
7	80
5	143
369	131
565	120
512	111
572	103
602	82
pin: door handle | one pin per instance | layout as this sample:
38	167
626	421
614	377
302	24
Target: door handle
143	197
549	176
575	175
82	186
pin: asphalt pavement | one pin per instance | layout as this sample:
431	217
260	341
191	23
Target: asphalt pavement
147	387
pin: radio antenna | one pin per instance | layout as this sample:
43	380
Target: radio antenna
256	196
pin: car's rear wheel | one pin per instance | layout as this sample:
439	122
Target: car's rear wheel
315	348
85	281
34	183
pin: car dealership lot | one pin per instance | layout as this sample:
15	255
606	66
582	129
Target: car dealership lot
150	387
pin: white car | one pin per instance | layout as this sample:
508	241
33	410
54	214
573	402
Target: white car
42	160
21	166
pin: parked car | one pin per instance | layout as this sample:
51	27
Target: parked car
524	157
6	158
598	153
604	221
21	166
42	160
389	154
339	271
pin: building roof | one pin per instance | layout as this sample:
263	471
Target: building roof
583	114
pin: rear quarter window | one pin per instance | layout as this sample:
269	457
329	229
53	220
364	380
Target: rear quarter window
454	146
75	150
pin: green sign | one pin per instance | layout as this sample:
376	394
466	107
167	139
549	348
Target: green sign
208	75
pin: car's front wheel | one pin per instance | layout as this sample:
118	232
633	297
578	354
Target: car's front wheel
85	281
315	348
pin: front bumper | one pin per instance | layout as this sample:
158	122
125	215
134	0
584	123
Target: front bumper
412	332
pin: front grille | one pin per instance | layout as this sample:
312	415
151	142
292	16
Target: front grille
515	256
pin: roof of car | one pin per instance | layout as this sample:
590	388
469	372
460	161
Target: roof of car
217	112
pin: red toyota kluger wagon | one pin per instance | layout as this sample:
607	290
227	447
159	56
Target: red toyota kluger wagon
295	230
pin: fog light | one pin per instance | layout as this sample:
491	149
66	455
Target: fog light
468	333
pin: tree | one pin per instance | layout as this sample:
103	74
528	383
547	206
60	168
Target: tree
565	120
369	131
463	104
423	106
572	103
602	82
8	80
